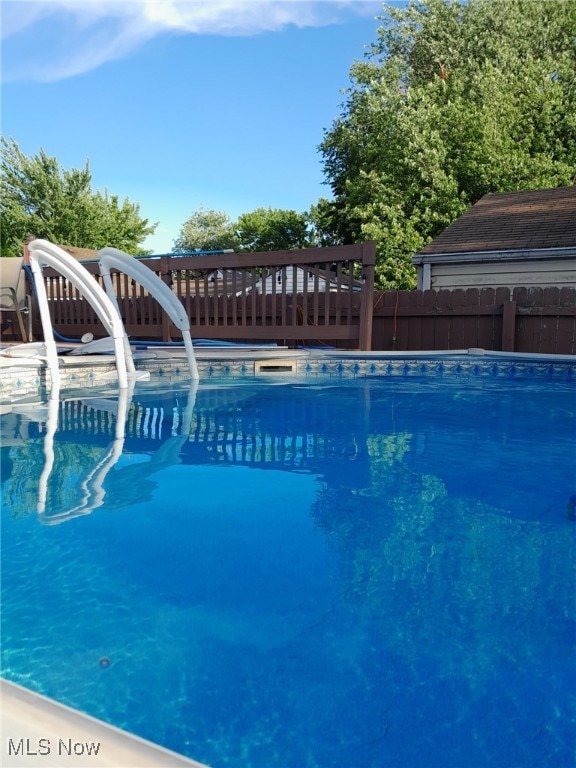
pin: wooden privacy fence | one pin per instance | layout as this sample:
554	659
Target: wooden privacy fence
305	296
541	320
323	296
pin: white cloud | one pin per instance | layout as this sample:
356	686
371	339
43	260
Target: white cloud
47	40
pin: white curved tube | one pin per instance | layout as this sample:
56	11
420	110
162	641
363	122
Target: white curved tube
43	253
112	258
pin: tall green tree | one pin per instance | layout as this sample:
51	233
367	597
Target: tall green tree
273	229
453	101
323	229
264	229
40	199
207	230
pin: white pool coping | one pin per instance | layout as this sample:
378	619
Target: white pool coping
38	732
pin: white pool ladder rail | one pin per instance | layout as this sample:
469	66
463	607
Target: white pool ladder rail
44	253
112	258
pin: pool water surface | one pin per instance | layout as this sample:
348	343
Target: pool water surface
303	573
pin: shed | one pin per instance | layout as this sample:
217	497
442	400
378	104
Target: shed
511	239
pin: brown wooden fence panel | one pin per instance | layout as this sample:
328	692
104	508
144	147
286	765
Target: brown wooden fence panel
470	299
486	332
404	330
528	321
566	329
540	320
315	294
324	296
442	333
546	320
549	327
501	297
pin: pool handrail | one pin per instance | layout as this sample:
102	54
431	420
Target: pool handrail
113	258
43	253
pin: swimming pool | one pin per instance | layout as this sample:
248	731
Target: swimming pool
369	572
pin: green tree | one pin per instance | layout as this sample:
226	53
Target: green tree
207	230
323	230
273	229
264	229
453	101
40	199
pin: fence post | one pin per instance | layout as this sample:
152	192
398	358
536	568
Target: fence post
367	296
508	325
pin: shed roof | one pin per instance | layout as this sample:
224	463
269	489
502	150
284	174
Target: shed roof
510	221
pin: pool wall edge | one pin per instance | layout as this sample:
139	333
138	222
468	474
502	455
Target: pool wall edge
38	731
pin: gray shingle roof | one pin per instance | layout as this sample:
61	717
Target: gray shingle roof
539	218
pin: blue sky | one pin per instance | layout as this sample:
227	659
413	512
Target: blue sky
183	105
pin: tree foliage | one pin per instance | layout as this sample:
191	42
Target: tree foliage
453	101
207	230
40	199
264	229
268	229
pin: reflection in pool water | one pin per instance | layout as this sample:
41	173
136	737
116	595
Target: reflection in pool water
365	573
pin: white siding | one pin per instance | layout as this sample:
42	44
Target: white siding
310	282
508	274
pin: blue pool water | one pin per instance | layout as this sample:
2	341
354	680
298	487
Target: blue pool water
368	573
